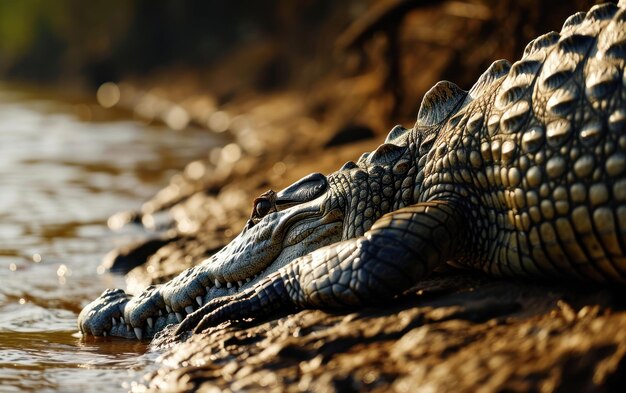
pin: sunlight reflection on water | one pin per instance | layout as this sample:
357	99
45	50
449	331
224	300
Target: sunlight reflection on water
60	179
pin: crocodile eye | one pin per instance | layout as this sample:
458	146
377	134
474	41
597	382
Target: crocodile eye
262	207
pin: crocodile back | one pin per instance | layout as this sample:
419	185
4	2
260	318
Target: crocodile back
537	151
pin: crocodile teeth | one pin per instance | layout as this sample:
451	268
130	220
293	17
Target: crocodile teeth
189	309
207	289
122	320
248	279
239	283
168	309
229	284
199	300
138	333
104	333
160	312
179	316
113	321
150	322
218	284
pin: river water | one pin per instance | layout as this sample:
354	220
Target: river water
61	177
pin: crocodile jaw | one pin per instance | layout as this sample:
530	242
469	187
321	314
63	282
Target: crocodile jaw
256	252
275	241
277	237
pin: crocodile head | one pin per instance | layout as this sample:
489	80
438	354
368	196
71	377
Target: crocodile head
283	226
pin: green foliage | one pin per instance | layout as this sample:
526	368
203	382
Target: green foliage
99	40
38	37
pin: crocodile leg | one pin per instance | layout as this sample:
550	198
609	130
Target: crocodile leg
400	249
266	298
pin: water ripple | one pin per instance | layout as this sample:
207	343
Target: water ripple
61	179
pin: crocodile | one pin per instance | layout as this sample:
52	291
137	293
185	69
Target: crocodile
524	175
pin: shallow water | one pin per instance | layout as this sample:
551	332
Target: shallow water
60	179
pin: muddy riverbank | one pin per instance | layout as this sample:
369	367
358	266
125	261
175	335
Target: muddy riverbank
62	177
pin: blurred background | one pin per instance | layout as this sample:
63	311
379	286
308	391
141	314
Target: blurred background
176	114
388	52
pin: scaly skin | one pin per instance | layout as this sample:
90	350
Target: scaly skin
522	176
